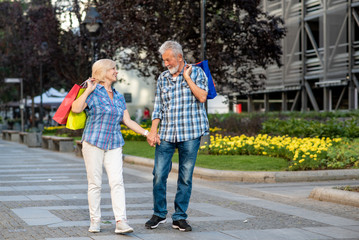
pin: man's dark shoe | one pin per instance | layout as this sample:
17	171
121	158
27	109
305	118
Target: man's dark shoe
154	222
182	225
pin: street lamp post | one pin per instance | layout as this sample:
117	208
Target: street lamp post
205	139
21	105
203	30
93	24
42	52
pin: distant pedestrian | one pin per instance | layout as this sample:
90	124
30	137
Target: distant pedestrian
102	141
146	114
179	106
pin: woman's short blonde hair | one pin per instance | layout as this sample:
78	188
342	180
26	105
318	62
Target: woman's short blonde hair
100	67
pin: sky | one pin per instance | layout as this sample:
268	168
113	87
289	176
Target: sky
65	17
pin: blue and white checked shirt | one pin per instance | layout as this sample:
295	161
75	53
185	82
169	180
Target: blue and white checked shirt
182	116
104	116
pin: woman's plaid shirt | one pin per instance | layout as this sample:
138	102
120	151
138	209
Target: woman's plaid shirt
104	116
182	116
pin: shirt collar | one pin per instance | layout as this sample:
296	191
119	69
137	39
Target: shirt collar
102	86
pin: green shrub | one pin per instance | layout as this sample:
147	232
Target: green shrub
296	127
343	156
333	124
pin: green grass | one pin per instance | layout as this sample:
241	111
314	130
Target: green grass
219	162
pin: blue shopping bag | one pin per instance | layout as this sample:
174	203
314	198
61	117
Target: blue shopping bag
211	87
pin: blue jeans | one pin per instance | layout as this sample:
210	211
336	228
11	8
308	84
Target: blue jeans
187	152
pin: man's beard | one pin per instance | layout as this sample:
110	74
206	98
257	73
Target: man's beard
174	69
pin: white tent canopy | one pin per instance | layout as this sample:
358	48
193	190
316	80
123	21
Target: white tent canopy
51	98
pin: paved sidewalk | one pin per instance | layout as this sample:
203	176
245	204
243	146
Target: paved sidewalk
43	196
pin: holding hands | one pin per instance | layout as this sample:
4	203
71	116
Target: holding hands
153	138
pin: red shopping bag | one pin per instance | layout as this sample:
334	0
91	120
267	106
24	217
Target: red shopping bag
63	111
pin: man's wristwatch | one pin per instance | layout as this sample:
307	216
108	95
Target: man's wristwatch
145	133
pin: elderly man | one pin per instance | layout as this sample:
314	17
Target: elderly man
179	107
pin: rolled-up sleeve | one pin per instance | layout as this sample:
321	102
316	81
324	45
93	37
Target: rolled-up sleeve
157	110
201	79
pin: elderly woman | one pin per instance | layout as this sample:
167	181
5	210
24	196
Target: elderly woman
102	141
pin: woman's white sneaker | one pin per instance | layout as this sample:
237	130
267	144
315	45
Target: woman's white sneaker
95	226
123	227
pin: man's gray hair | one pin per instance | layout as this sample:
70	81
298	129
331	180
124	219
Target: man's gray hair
173	45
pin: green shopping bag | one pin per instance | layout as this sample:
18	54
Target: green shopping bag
76	120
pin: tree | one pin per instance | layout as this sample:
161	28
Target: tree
28	29
33	44
240	37
72	59
30	37
23	39
10	46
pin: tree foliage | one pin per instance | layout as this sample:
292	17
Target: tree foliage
31	38
72	62
239	37
11	45
22	42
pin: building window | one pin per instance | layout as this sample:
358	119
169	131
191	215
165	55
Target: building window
128	97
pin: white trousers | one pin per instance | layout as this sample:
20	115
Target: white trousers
95	158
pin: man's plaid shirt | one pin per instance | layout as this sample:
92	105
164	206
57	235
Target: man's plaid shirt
182	116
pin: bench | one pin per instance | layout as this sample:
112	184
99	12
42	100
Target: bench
45	141
10	135
4	134
23	137
33	139
61	144
78	149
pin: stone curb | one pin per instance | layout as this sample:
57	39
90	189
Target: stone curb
335	195
258	177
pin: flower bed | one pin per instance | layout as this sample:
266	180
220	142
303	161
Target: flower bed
301	153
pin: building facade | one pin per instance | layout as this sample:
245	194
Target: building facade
139	92
320	59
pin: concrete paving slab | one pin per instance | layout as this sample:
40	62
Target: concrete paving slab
55	187
9	182
187	235
130	236
13	198
276	234
64	224
352	228
6	189
42	197
335	232
27	188
73	238
41	217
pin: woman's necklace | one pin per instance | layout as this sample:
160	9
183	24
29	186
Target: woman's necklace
110	91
